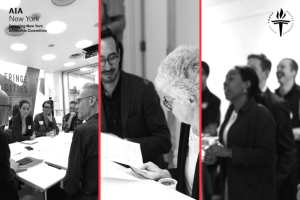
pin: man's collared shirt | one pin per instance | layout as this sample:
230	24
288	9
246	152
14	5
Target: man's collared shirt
112	108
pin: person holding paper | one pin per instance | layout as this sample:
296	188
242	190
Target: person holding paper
22	123
178	78
9	183
81	180
45	122
130	105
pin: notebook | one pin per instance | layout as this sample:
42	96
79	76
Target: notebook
29	142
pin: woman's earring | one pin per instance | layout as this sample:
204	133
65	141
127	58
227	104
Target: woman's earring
245	90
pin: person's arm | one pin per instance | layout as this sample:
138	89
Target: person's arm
159	142
213	117
16	131
263	151
65	124
54	125
74	173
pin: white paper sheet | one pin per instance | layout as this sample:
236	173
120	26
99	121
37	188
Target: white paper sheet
121	151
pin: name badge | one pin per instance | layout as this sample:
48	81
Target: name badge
41	122
29	127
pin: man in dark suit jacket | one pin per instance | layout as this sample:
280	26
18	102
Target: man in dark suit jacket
8	181
81	180
285	144
130	105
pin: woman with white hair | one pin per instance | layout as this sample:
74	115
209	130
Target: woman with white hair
178	79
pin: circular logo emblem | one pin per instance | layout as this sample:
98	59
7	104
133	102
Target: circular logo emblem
281	22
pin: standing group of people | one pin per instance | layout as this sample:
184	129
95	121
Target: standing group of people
258	141
81	180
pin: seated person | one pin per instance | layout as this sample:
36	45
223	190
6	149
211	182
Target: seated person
15	111
81	180
22	124
9	183
130	105
70	120
178	78
45	123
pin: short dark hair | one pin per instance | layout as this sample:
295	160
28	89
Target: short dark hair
205	68
48	102
73	102
265	62
22	102
106	32
294	65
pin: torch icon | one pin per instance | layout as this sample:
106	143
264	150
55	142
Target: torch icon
280	16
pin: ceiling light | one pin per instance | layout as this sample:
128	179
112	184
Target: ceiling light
69	64
83	43
56	27
48	57
84	69
18	47
6	5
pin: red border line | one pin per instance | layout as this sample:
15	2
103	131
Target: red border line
99	103
200	98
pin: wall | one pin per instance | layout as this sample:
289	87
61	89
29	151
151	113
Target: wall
231	30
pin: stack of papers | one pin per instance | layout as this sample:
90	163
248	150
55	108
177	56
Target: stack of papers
29	142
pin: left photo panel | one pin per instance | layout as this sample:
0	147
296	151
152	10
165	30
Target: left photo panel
49	83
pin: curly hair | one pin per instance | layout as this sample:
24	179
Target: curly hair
178	73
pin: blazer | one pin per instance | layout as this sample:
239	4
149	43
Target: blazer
179	172
250	172
142	118
286	151
9	183
42	129
83	161
17	128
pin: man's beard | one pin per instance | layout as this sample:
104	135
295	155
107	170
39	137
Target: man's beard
112	77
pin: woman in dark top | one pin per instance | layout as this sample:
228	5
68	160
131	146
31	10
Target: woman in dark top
45	123
246	152
22	124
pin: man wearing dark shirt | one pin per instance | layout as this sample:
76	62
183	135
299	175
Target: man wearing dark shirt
81	180
70	120
286	73
285	143
130	105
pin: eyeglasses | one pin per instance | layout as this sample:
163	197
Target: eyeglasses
113	59
168	103
79	99
8	107
47	107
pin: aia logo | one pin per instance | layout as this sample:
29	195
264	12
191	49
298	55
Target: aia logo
281	23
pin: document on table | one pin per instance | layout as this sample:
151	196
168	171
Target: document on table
121	151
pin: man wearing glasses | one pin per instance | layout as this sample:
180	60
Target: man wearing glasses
8	182
81	180
130	105
71	121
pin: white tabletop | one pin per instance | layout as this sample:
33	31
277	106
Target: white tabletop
137	187
53	150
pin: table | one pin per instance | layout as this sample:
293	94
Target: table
118	182
54	151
